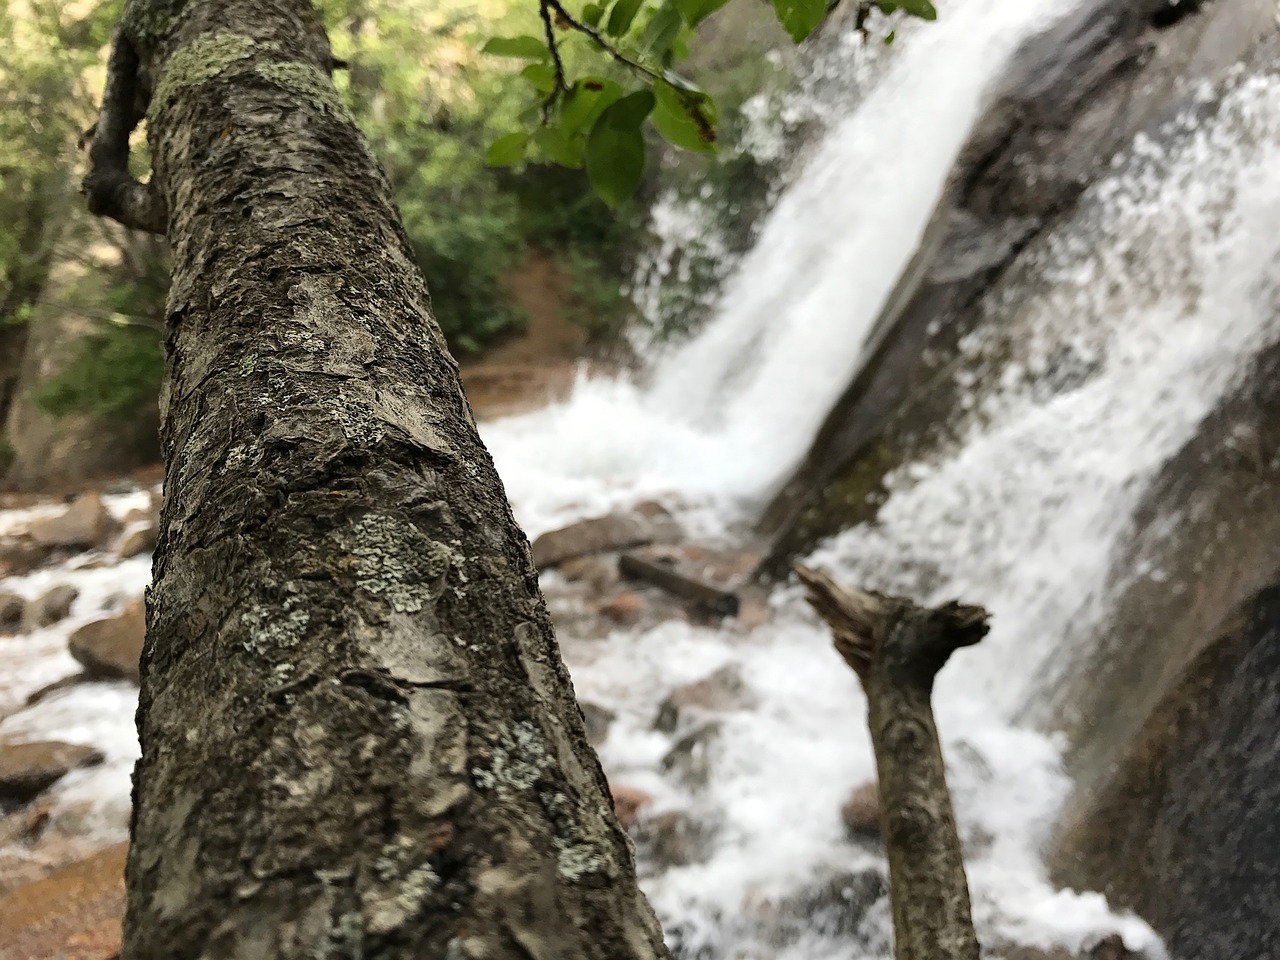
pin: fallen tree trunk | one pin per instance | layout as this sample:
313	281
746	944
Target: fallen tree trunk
896	648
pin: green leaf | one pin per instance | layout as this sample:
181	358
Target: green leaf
801	17
526	48
507	151
685	119
558	148
591	14
620	17
661	32
695	11
924	9
541	75
586	100
892	36
615	148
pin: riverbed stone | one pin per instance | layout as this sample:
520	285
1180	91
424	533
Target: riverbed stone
84	524
50	607
28	769
110	649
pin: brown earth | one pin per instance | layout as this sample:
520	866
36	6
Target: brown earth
73	914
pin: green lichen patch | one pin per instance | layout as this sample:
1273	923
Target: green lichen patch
397	563
309	83
200	60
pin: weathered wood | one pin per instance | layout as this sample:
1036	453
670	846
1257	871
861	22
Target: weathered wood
710	597
358	736
896	647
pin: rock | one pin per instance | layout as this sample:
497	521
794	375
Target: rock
12	608
28	769
672	839
597	720
835	907
602	534
626	609
110	649
722	690
861	812
51	688
73	914
1111	947
627	804
690	756
1034	953
19	555
141	540
50	607
84	524
599	572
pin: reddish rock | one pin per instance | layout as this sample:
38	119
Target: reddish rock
27	769
84	524
19	555
722	690
627	804
50	607
73	914
110	649
625	609
861	812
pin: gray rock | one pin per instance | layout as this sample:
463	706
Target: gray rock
722	690
12	608
50	607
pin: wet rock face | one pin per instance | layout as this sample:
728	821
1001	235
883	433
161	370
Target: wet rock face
1185	832
1075	98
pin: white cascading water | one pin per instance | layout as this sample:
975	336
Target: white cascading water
1166	284
728	413
1164	287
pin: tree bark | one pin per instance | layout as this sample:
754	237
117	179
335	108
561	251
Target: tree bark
358	736
896	648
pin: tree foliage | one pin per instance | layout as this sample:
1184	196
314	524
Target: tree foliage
598	73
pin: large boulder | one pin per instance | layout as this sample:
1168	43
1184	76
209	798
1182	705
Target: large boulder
86	523
28	769
1182	828
110	649
647	523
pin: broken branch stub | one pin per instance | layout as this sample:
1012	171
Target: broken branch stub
896	647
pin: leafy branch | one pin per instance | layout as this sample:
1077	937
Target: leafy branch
595	120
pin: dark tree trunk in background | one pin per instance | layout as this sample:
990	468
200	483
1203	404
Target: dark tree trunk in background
358	737
896	648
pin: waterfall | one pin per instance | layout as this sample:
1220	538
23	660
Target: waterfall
728	413
1119	332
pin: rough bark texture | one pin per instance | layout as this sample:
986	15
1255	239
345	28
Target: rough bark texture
897	648
358	736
